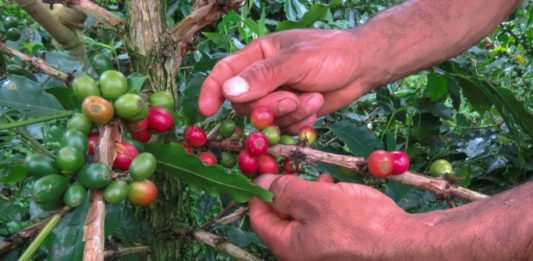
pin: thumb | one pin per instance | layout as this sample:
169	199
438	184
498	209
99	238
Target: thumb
293	196
260	78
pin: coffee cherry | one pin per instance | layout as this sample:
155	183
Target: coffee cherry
273	135
126	152
92	139
248	163
256	143
186	146
290	167
380	163
268	164
142	136
159	119
207	157
227	127
308	135
287	140
227	159
261	117
400	162
195	136
137	126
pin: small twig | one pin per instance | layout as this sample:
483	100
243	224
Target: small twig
213	133
218	243
36	62
125	251
212	220
89	8
25	234
236	215
436	185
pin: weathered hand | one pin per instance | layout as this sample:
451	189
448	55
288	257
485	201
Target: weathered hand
298	74
325	221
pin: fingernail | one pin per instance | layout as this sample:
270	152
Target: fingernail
314	104
287	105
236	86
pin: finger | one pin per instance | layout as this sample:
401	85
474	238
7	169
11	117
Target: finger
292	196
279	102
211	96
271	228
325	178
295	128
262	77
310	104
340	98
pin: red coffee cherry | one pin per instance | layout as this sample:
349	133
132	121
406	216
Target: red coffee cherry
195	136
256	143
400	162
207	157
268	164
186	146
92	139
125	154
290	167
380	163
159	119
136	126
261	117
142	136
248	163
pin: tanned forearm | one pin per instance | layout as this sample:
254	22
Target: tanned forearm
420	33
497	228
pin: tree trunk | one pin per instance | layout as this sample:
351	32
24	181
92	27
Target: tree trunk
150	55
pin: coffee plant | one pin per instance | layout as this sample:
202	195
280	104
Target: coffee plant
104	153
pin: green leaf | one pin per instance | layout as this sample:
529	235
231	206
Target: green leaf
66	97
358	138
12	173
511	109
316	13
187	167
437	86
136	82
27	96
190	99
67	238
294	9
478	100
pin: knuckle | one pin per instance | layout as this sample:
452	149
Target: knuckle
284	185
264	70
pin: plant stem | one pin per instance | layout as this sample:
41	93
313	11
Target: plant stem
17	124
436	185
28	137
36	243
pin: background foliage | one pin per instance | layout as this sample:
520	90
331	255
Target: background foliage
474	110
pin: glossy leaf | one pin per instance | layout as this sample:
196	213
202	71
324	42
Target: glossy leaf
136	82
190	99
316	13
436	87
12	173
187	167
358	138
27	96
67	243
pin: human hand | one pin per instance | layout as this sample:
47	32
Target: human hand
326	221
298	74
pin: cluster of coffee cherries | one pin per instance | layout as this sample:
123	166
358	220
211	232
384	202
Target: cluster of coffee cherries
65	178
254	159
382	164
110	97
